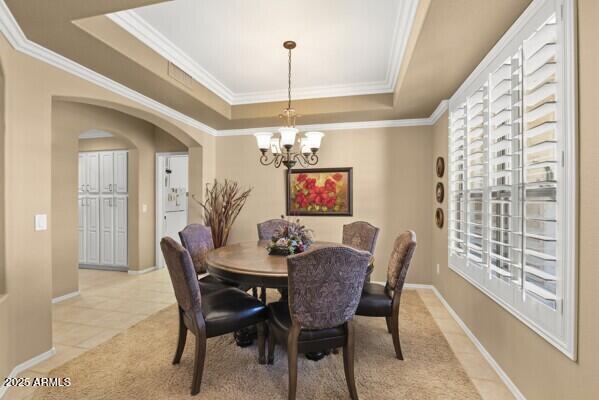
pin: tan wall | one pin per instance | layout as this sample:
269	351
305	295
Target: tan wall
140	138
391	179
31	85
538	369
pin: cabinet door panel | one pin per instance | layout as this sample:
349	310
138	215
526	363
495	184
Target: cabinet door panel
120	171
92	230
120	230
92	162
82	173
107	230
107	172
81	228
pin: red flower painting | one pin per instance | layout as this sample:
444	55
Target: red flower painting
319	192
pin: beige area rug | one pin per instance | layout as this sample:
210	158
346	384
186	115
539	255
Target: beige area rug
136	364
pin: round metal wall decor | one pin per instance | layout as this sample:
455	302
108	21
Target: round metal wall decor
440	166
440	192
439	218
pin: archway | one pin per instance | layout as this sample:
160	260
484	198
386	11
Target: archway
142	139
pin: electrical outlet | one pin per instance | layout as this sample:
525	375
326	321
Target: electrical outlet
437	269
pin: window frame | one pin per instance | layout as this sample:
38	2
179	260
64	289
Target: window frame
562	335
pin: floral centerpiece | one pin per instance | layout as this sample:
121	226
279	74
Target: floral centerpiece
293	238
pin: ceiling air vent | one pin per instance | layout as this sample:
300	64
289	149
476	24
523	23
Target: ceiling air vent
179	75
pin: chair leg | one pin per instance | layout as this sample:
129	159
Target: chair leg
292	347
182	338
198	365
348	361
388	320
261	342
271	345
395	334
255	292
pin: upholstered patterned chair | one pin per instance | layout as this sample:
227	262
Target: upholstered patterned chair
267	229
360	235
197	239
383	301
222	312
324	291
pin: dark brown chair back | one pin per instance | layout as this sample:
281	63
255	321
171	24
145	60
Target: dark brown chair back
399	262
360	235
183	275
325	285
197	239
268	228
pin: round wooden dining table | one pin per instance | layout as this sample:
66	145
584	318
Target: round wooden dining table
249	264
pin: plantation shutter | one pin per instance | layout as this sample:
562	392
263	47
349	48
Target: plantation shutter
541	157
512	174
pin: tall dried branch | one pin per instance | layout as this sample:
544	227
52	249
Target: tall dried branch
222	204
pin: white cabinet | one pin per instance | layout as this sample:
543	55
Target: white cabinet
81	227
103	208
88	173
120	172
120	230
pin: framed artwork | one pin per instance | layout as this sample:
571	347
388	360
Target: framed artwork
319	191
440	192
440	166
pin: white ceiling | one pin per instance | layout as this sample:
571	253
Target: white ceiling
234	47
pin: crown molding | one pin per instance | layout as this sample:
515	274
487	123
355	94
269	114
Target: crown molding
392	123
441	108
17	39
130	21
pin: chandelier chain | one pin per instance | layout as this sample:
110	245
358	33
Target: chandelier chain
289	83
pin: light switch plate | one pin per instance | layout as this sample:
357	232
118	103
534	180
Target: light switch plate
144	208
41	222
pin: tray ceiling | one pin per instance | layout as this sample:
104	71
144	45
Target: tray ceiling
234	47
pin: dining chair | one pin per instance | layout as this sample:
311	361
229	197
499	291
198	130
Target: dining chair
324	292
360	235
197	240
208	316
383	301
267	229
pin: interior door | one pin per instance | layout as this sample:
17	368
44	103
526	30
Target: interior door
120	230
81	211
82	172
107	230
107	172
92	230
92	164
120	172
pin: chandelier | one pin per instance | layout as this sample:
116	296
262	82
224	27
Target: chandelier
287	148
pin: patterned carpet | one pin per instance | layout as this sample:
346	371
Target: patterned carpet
136	364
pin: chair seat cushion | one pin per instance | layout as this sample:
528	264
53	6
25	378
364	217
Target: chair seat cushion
209	284
375	302
281	320
229	310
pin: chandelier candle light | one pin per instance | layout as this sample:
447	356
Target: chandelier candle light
281	148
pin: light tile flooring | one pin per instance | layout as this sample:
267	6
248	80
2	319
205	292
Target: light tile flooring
111	302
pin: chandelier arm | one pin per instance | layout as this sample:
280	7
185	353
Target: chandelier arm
264	159
278	160
312	159
299	157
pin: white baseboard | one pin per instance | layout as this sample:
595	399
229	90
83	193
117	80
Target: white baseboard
25	366
65	297
504	377
142	271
